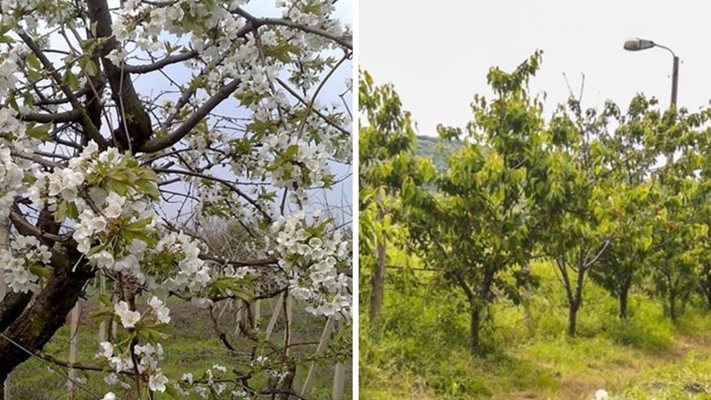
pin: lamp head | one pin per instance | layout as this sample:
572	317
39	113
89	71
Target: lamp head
638	44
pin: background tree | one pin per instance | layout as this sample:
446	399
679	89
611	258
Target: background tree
386	144
475	223
123	126
680	231
633	153
572	192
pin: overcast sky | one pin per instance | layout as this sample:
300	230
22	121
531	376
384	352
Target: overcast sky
438	53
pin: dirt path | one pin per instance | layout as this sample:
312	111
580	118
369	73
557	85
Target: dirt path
616	378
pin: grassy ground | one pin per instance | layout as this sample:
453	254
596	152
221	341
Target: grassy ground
191	347
419	350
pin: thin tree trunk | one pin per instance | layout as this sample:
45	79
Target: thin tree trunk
572	319
474	328
526	302
577	299
622	297
672	305
377	281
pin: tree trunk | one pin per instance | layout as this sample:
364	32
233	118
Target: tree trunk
47	313
526	301
672	305
134	120
474	328
377	281
572	319
622	297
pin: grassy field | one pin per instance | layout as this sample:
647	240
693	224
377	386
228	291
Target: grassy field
419	349
191	347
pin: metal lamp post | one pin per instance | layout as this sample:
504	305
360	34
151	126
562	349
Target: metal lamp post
637	44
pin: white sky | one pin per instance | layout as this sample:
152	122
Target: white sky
438	53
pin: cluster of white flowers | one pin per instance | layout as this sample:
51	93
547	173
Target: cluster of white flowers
27	12
63	183
8	67
162	313
129	318
89	224
210	385
192	272
11	177
149	357
15	262
311	262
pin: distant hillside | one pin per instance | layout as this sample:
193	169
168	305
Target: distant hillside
437	149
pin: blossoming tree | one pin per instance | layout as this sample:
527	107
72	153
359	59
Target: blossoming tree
124	127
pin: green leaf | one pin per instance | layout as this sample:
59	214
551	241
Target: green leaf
172	392
90	67
102	314
40	270
33	61
40	132
71	80
117	186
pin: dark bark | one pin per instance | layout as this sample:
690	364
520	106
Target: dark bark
47	313
573	319
672	304
474	329
574	294
12	306
526	294
377	282
622	297
135	124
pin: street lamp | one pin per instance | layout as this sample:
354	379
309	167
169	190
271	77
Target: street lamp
642	44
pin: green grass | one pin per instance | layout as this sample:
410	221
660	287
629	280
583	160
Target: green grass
191	347
419	348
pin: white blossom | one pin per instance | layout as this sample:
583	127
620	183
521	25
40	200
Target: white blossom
157	382
106	350
161	311
128	318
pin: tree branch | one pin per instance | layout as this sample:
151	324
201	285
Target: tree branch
174	137
142	69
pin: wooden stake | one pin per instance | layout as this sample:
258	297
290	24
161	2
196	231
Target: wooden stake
73	349
4	244
257	314
275	315
238	316
103	335
339	381
325	338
